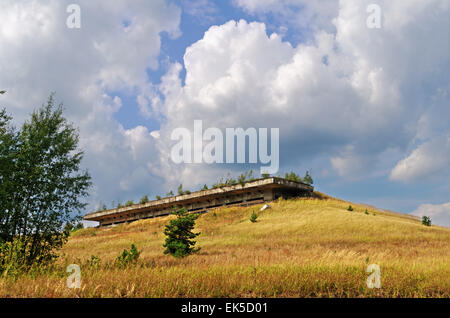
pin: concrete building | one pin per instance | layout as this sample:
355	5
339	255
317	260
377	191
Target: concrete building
254	192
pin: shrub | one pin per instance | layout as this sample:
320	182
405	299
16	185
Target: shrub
11	258
128	257
179	241
241	179
426	220
253	217
265	175
205	187
129	203
292	176
366	212
144	199
94	262
349	208
158	197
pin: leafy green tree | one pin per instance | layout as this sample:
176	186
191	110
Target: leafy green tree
180	238
41	185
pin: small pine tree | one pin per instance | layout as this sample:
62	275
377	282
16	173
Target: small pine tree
205	187
179	241
349	208
253	217
426	220
128	257
307	178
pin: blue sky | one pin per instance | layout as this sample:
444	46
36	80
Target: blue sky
365	110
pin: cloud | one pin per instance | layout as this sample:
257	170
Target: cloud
354	94
111	53
430	159
439	213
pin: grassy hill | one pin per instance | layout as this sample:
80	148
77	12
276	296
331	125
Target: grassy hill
298	248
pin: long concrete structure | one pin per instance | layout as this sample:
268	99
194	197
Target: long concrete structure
254	192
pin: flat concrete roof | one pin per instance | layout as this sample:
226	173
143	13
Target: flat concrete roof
272	182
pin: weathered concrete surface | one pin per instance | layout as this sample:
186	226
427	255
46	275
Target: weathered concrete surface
258	191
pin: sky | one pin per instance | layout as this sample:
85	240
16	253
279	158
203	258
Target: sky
365	109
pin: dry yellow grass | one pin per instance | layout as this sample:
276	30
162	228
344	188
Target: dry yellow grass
298	248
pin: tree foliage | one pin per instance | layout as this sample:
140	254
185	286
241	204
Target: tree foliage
41	186
426	220
307	178
128	257
179	241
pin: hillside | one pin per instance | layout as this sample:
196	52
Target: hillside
299	248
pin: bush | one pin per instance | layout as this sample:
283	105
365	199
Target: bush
11	259
366	212
94	262
128	257
129	203
349	208
426	220
144	199
179	241
158	197
253	217
292	176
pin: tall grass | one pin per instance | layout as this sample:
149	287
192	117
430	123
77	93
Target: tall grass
298	248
